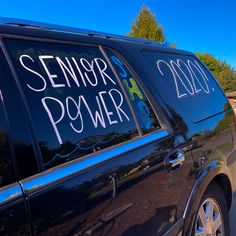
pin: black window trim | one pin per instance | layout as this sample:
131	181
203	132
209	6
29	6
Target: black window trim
123	90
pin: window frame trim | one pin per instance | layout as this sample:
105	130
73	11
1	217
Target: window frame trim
10	193
123	90
74	167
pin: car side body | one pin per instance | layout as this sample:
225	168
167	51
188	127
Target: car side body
170	134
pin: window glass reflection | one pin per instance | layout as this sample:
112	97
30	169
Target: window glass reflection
76	104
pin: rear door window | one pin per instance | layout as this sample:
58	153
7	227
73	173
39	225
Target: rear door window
188	81
142	107
76	104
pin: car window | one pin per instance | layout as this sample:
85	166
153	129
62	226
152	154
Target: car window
142	107
7	174
189	82
21	137
76	104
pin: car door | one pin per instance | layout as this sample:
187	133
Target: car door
160	183
14	218
13	211
110	165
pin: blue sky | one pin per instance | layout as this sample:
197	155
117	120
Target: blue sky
195	25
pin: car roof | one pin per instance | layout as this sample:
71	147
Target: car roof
26	28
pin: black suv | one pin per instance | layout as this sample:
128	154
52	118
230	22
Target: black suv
110	135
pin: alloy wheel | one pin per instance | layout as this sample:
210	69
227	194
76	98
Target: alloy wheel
209	219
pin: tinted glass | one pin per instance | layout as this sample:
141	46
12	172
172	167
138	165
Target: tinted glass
189	82
139	101
21	138
76	104
7	175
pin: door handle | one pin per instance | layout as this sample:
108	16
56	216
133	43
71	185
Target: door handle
175	160
179	160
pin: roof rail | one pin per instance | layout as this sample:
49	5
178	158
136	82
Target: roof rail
72	30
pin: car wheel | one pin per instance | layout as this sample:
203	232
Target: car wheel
212	218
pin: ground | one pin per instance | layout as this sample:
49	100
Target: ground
233	220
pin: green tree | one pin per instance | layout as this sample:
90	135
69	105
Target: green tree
146	26
224	73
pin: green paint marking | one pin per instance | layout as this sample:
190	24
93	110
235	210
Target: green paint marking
134	89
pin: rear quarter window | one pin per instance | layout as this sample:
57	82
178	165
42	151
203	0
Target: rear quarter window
189	82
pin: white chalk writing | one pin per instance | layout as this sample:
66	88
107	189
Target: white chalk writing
76	73
189	78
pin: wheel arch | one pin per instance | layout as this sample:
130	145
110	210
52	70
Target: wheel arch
223	181
216	172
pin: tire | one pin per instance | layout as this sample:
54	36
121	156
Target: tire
208	221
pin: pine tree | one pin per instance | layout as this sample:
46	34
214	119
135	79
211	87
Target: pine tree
146	26
224	73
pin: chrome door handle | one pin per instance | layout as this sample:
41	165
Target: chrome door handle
179	160
174	160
